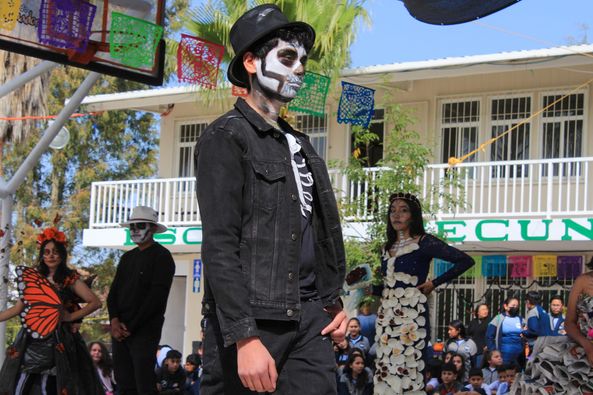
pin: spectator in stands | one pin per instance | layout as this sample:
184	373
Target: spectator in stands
355	338
104	365
476	384
342	351
459	343
492	360
501	372
538	320
161	354
192	374
367	320
476	330
449	383
459	362
511	373
171	377
432	374
504	332
356	379
557	317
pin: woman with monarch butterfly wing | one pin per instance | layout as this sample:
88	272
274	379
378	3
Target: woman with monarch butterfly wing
48	355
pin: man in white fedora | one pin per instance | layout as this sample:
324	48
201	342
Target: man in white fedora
137	301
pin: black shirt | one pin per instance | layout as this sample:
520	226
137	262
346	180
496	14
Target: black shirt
138	295
307	258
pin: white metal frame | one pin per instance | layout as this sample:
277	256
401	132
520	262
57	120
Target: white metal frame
178	144
440	102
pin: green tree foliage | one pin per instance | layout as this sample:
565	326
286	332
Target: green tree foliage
112	145
335	24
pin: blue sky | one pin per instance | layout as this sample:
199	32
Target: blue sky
395	36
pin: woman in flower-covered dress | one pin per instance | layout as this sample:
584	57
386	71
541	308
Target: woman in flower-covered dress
403	328
564	364
49	356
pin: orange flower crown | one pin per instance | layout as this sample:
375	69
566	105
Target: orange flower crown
51	234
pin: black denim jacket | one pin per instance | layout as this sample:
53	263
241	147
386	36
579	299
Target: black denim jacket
251	222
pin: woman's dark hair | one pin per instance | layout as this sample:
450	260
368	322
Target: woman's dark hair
461	371
478	308
417	224
458	325
557	297
508	300
62	271
487	357
533	297
363	378
105	364
448	353
354	319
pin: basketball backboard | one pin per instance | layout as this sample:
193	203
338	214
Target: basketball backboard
122	38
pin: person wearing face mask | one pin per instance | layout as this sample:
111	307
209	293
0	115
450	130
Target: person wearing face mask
272	250
504	332
137	301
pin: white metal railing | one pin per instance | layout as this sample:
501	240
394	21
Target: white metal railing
530	188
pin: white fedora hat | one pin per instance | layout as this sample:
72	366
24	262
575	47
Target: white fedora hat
145	214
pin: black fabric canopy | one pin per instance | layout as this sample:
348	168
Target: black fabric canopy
450	12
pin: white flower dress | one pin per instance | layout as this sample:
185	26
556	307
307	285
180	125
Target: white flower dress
402	326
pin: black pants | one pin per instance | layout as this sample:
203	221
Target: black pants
304	359
134	360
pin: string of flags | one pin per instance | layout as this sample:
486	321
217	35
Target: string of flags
67	24
561	267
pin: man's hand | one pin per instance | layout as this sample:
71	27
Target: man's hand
336	328
256	367
118	330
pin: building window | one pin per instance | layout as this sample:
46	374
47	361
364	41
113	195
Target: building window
316	128
374	151
187	137
505	114
459	128
562	131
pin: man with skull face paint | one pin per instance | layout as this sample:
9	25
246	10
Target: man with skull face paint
137	301
273	251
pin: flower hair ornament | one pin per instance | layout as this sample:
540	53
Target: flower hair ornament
52	233
405	196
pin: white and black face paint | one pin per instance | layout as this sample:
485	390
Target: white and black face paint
282	71
141	232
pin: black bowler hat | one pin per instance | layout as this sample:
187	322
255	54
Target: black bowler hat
251	27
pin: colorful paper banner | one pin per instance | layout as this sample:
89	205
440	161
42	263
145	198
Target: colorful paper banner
545	266
476	269
312	95
569	267
520	266
66	23
357	104
238	91
494	266
198	61
9	13
441	266
133	41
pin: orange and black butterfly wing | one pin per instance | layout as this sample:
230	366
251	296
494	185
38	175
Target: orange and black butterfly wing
43	305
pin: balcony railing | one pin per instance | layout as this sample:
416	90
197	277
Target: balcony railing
544	188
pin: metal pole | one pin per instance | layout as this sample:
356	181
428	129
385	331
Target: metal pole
6	227
51	132
27	76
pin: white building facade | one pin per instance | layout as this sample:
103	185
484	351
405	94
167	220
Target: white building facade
529	195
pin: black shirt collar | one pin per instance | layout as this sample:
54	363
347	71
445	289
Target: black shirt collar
257	120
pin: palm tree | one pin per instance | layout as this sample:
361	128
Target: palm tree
28	100
335	24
